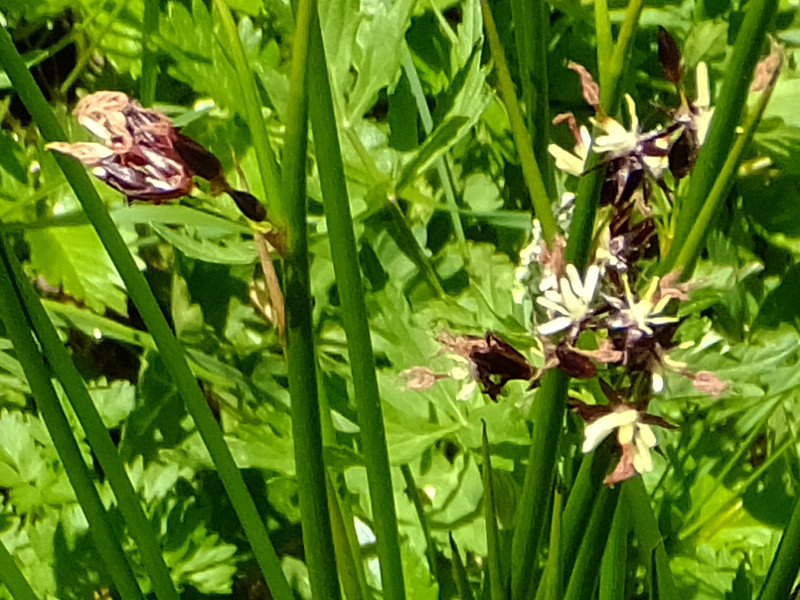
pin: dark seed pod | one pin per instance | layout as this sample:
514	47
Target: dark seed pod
199	160
249	205
669	56
682	154
574	364
496	363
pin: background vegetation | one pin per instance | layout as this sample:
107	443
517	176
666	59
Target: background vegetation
403	186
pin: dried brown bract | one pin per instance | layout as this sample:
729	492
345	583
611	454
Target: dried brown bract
591	91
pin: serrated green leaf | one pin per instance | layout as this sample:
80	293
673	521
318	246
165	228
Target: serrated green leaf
226	250
75	259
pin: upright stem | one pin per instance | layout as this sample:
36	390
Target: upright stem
267	164
548	411
306	429
354	318
522	139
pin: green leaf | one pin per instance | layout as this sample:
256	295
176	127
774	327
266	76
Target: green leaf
408	440
781	143
225	250
74	258
481	193
376	53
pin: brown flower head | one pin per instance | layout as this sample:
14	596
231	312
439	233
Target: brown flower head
492	361
143	156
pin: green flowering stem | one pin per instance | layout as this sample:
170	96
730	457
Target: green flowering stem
548	412
707	185
306	428
550	587
522	139
531	36
605	43
354	319
494	559
13	578
170	350
651	544
583	580
106	540
345	539
582	497
548	409
614	564
610	94
251	103
97	435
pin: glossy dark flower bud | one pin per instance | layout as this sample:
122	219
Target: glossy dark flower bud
669	56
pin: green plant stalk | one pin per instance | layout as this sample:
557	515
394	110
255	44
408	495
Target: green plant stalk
594	468
577	512
348	550
613	565
170	350
583	580
416	500
548	412
147	83
786	564
727	112
354	318
106	540
721	514
347	567
610	95
531	36
13	578
306	429
540	111
693	244
605	42
427	124
267	164
651	544
96	433
551	578
522	139
494	562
